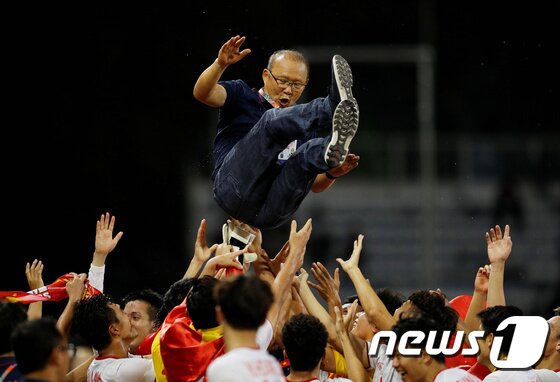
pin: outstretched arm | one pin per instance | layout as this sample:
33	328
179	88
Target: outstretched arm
499	249
75	290
479	297
34	272
376	311
105	243
207	90
283	280
201	251
324	181
356	371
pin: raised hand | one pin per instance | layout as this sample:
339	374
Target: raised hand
300	279
276	263
298	239
499	248
201	250
224	261
34	272
350	163
75	287
104	240
481	280
327	286
229	52
352	263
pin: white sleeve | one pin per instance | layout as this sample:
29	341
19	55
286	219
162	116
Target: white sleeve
96	276
264	335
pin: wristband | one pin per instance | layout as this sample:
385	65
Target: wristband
330	176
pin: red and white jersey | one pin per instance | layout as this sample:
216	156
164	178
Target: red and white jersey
383	366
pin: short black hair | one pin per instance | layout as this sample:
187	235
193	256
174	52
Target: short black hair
305	339
433	305
350	299
174	296
390	298
92	319
492	317
422	323
11	315
33	342
244	301
150	297
201	305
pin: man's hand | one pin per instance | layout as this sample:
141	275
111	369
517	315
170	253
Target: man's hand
218	262
201	250
104	241
229	52
482	279
298	239
34	272
300	279
348	165
327	286
75	287
352	263
499	248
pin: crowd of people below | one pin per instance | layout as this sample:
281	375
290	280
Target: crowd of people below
239	314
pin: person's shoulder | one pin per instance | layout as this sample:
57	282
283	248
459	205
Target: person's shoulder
456	374
545	375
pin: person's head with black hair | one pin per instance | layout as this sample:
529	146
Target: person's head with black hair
142	307
101	322
201	304
304	338
11	315
41	351
243	302
490	319
421	367
174	296
390	298
429	303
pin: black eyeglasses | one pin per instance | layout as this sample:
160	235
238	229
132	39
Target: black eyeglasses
283	83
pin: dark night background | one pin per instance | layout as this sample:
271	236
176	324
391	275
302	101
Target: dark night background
99	113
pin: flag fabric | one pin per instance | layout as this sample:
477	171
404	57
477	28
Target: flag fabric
52	292
185	356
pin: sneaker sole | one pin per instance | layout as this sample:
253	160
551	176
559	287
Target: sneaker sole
345	124
343	77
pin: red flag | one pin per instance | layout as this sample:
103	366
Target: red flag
52	292
184	355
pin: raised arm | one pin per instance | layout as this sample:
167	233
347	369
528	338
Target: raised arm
283	280
207	90
479	297
105	243
34	272
201	251
499	249
376	311
75	290
356	370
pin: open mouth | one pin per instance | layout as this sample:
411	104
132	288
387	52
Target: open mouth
284	102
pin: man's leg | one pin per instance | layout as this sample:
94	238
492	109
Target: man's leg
293	183
243	181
